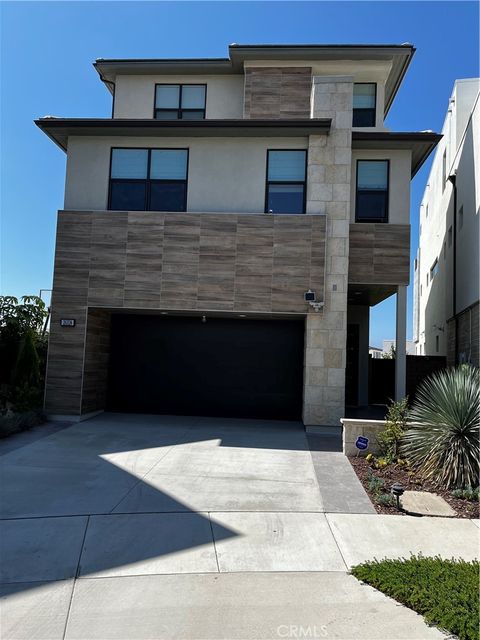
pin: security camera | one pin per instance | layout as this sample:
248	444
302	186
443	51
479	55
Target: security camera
309	296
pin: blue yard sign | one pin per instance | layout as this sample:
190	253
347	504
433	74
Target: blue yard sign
361	443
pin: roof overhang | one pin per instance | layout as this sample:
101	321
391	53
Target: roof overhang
59	129
420	143
399	56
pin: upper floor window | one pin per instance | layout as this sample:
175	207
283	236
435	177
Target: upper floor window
434	269
364	104
286	181
180	101
148	180
372	191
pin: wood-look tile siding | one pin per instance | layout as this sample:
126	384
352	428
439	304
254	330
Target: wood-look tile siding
167	261
192	261
70	291
379	253
277	92
97	350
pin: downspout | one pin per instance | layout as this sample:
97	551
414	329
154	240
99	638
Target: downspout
111	84
453	180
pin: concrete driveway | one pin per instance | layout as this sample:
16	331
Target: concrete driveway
159	527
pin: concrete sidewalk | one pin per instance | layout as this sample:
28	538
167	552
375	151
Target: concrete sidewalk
150	527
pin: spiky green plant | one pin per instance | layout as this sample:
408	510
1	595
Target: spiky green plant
442	442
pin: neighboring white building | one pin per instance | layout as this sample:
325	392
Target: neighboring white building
375	352
388	344
446	269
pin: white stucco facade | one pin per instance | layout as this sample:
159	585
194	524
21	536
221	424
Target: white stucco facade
225	175
449	239
135	94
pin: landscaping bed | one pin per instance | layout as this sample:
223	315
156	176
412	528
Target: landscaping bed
17	422
411	482
444	592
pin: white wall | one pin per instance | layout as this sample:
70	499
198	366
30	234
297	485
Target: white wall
135	94
461	146
399	181
468	197
224	174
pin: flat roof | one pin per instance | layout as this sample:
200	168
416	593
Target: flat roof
400	56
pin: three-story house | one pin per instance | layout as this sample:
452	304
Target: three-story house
225	233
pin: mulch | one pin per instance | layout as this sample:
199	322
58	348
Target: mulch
396	473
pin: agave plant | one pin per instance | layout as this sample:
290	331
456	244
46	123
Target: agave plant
442	442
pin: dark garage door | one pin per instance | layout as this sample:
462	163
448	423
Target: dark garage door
179	365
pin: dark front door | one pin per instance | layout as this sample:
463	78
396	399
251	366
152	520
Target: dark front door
223	367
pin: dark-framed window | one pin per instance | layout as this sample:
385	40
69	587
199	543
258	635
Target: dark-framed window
180	101
372	191
148	179
364	104
286	184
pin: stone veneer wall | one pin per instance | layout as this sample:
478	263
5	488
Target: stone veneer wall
353	428
329	169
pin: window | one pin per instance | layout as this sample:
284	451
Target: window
372	191
364	104
437	344
444	170
460	218
286	181
434	270
426	211
180	101
444	250
450	234
148	179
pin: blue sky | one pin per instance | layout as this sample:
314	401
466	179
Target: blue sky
46	53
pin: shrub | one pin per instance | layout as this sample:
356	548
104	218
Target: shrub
442	444
387	500
27	366
469	493
395	426
375	485
445	592
19	422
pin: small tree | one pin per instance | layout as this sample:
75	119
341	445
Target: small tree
388	440
22	347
